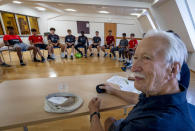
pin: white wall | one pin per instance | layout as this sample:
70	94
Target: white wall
173	14
168	16
191	4
145	23
124	24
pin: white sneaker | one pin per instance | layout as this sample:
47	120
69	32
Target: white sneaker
62	55
53	56
119	59
114	58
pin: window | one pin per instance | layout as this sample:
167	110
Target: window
23	24
34	23
1	29
9	20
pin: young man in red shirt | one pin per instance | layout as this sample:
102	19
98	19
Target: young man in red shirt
109	43
133	43
37	41
15	41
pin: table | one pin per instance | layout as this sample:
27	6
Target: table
22	101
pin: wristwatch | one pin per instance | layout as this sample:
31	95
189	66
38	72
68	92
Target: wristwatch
95	113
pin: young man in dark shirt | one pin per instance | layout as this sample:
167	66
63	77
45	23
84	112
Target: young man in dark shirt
54	40
69	43
110	41
96	44
37	41
82	41
15	41
122	47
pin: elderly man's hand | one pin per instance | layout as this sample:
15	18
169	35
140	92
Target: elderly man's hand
94	105
110	88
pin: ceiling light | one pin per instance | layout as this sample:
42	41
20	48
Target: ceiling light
16	2
60	4
135	14
155	1
104	12
73	10
40	8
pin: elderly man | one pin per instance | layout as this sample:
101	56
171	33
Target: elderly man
162	106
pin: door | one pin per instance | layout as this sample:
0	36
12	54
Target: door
107	27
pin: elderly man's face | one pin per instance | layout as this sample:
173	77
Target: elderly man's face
150	67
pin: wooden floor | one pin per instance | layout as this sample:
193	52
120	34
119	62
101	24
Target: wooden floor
62	67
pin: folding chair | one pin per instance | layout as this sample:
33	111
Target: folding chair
1	52
11	49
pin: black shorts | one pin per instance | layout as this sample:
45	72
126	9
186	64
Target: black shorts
41	46
131	51
94	46
108	46
56	46
70	46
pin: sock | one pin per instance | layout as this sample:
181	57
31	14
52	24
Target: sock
66	53
21	61
71	54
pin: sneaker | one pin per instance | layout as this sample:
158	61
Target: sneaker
62	55
5	65
114	58
43	59
22	64
50	58
36	60
91	54
119	59
85	56
105	54
71	57
98	55
123	69
110	55
65	56
126	64
53	56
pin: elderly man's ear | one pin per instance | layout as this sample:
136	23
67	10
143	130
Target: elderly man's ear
174	70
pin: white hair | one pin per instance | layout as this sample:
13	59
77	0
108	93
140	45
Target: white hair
176	50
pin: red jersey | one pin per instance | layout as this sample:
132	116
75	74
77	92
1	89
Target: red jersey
133	44
12	39
110	39
36	39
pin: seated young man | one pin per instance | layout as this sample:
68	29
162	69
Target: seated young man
69	43
37	41
3	64
96	44
15	41
122	47
109	43
131	48
54	40
82	40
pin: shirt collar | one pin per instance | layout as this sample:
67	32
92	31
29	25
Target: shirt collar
169	99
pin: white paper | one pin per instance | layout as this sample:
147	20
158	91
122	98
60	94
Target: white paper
124	83
58	100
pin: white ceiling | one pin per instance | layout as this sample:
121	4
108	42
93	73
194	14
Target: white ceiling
53	6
